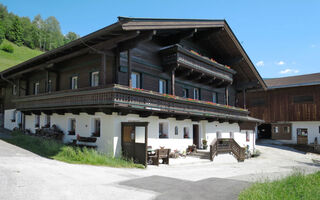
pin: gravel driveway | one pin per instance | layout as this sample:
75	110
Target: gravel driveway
24	175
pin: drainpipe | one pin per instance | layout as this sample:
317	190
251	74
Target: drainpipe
3	78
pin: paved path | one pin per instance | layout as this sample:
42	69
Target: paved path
24	175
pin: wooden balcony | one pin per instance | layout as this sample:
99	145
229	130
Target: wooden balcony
195	66
116	98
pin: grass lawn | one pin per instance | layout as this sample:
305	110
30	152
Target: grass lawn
20	54
296	186
59	151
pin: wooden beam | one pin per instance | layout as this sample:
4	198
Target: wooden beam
130	44
129	69
234	61
173	82
103	69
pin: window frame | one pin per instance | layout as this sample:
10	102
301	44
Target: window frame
161	131
36	89
163	83
92	83
196	90
185	92
186	132
37	121
96	133
138	80
14	89
72	84
72	126
49	86
214	97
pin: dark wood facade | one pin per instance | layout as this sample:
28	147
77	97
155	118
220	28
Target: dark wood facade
284	104
181	56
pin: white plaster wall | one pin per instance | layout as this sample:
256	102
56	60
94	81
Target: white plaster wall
225	128
30	123
8	116
313	130
109	141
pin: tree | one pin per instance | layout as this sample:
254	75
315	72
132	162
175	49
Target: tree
70	36
2	32
16	32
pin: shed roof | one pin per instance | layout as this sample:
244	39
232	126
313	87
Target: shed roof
293	81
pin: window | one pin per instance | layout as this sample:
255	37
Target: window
247	136
14	89
275	129
163	130
286	129
36	88
302	131
49	86
13	117
214	97
48	120
96	128
74	82
196	93
135	78
72	126
185	93
186	132
162	86
94	79
176	130
37	121
302	99
123	61
257	102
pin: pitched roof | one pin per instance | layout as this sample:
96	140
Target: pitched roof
293	81
228	45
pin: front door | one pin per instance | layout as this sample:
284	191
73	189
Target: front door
196	135
134	141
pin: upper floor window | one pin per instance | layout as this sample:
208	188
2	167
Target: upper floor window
303	99
185	93
162	86
36	88
214	97
94	79
14	89
135	78
74	82
49	86
196	93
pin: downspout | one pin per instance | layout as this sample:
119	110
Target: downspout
3	78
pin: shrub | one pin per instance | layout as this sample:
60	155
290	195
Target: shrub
8	48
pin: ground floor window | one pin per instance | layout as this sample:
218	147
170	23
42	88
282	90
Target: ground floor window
186	132
72	126
96	127
286	129
276	129
13	116
48	120
37	121
163	130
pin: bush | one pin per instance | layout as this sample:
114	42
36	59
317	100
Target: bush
8	48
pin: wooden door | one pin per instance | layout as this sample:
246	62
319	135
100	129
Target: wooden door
196	135
134	141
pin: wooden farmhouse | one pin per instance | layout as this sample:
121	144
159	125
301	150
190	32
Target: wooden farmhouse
290	108
137	83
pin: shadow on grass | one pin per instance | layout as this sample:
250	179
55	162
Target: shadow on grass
57	150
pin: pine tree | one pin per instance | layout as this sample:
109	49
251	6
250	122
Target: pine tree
16	32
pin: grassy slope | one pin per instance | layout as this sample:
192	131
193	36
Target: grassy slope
19	55
58	151
294	187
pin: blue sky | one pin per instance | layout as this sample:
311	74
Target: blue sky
282	38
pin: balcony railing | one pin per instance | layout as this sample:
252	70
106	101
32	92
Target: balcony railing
178	56
117	96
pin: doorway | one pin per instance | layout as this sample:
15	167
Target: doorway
264	131
196	135
134	137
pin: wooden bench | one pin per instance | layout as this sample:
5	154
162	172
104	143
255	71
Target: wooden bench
160	154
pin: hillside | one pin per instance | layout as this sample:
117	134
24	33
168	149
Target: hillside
20	54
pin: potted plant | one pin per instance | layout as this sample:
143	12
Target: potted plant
205	144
